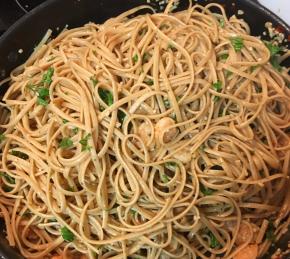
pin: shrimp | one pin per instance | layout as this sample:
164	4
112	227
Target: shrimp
249	252
163	132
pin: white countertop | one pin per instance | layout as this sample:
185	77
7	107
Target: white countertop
279	7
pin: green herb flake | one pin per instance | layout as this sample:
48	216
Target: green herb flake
8	178
64	121
171	166
274	49
237	43
84	143
2	137
149	81
133	211
270	235
163	26
106	96
253	68
166	103
206	191
213	241
75	130
47	77
172	47
19	154
66	234
121	116
146	57
217	86
165	178
70	189
228	73
222	23
135	58
94	81
65	143
224	56
275	63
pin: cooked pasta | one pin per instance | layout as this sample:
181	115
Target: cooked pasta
162	135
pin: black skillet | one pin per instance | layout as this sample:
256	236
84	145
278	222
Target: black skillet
27	32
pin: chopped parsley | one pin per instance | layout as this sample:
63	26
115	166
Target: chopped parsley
217	86
274	49
146	57
106	96
228	73
170	166
224	56
121	116
274	53
206	191
270	232
47	77
66	143
84	142
213	241
7	177
237	43
19	154
222	23
253	68
135	58
149	81
64	121
2	137
275	63
94	81
172	47
75	130
66	234
166	103
165	178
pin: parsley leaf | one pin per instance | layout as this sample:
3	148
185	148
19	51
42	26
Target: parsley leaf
165	178
170	166
65	143
7	177
135	58
47	77
121	116
106	96
66	234
64	121
206	191
275	63
217	86
19	154
166	103
146	57
222	23
149	81
270	232
237	43
213	241
75	130
84	142
94	81
274	49
2	137
171	46
224	56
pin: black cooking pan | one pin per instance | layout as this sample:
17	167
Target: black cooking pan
20	39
